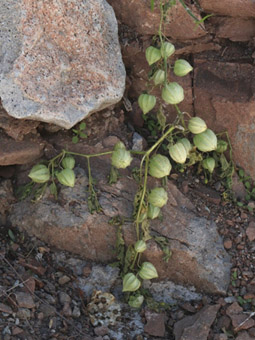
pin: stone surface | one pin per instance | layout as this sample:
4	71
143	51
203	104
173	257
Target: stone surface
16	129
237	8
244	336
155	325
19	152
250	231
138	15
240	320
24	300
171	293
196	326
60	61
198	259
224	96
235	29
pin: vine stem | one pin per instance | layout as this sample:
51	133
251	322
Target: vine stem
146	158
88	156
180	114
134	261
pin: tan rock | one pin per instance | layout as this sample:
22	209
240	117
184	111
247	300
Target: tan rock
237	8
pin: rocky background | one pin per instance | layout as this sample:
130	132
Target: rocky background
47	293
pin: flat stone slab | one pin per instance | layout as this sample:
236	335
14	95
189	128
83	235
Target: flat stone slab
199	258
59	60
19	152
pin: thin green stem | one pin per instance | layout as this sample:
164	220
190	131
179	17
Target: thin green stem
143	196
189	11
88	156
134	261
180	114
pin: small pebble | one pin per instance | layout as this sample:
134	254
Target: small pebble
228	244
63	279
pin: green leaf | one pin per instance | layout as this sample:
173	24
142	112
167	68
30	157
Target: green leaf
224	163
241	173
82	126
247	197
83	135
11	235
234	275
240	204
75	139
75	131
53	190
161	119
114	175
247	185
152	5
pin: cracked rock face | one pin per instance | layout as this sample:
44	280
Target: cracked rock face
199	258
59	60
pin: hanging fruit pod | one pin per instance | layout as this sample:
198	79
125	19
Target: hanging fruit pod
206	141
197	125
146	102
178	153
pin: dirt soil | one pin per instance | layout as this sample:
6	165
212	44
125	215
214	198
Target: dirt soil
40	298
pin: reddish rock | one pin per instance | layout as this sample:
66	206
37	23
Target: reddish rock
138	15
155	325
224	97
5	309
70	226
234	29
15	128
240	320
19	152
228	244
24	300
237	8
196	326
244	336
238	188
250	231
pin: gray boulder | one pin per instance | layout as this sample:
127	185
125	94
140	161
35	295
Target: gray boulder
59	60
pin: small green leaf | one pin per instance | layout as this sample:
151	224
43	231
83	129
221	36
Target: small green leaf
240	204
75	131
53	190
83	135
152	5
75	139
82	126
11	235
247	185
234	275
241	173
